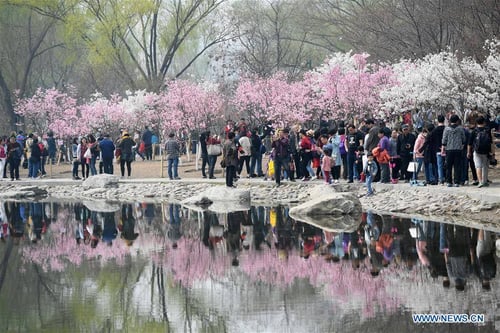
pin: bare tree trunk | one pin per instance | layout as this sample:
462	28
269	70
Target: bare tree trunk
7	114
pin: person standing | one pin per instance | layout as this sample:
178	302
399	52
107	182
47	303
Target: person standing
34	159
204	153
452	143
127	154
3	156
245	153
479	147
173	149
306	155
137	147
406	142
107	153
418	150
384	156
282	154
435	140
14	154
148	144
212	159
76	160
370	170
256	158
82	148
354	140
230	155
395	163
51	147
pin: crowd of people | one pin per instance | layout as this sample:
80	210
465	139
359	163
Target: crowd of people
448	152
89	154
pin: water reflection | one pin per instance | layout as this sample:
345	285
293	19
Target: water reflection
386	266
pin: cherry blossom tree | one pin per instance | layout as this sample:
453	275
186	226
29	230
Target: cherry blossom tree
273	98
347	86
445	79
185	105
51	110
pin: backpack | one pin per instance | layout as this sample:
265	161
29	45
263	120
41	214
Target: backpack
482	142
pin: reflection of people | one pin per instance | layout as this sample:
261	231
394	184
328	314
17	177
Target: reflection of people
212	231
128	233
36	221
94	229
4	225
174	232
109	231
260	229
455	243
79	231
17	218
234	236
485	257
149	212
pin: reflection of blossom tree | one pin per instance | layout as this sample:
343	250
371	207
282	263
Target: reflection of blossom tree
345	284
191	261
60	247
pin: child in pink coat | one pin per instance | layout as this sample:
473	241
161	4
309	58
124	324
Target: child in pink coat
326	165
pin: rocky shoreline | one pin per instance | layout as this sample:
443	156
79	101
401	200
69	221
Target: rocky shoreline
430	203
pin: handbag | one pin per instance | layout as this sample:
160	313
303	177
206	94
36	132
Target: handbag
412	167
88	153
223	163
214	150
142	147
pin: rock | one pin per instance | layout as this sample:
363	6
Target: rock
224	199
24	192
102	206
342	223
101	181
335	204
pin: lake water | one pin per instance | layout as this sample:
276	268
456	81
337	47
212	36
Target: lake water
137	267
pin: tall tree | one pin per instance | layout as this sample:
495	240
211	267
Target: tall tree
390	30
23	35
148	41
276	36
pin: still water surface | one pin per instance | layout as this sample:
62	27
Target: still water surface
137	267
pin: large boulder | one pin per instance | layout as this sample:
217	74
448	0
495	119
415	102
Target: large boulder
101	181
102	206
220	199
329	203
329	210
332	223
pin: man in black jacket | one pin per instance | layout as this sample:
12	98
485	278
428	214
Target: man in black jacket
406	142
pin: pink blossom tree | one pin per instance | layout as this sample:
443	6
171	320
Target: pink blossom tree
51	110
185	105
273	98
